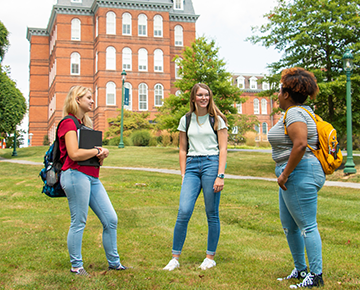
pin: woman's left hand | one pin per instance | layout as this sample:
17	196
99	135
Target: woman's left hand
218	184
282	180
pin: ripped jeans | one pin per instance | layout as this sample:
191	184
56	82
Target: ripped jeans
298	207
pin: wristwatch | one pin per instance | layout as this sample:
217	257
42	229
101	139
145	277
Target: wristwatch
221	176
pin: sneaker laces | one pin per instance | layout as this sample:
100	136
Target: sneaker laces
308	281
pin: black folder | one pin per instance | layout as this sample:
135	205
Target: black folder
88	139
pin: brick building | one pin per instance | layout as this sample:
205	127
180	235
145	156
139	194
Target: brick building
90	42
261	107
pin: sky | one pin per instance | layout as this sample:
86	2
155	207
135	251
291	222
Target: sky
229	24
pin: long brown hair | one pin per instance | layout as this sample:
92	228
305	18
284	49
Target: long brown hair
212	109
71	106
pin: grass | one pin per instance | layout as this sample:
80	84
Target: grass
238	162
252	249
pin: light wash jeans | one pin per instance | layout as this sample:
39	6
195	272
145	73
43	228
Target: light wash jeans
83	191
201	172
298	207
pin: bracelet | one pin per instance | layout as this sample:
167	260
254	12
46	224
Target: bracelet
97	150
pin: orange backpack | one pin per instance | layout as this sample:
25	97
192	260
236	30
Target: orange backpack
329	153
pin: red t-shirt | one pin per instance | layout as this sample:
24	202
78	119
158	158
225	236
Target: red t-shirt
66	126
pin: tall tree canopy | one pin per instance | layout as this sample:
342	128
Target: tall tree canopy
12	102
314	35
199	64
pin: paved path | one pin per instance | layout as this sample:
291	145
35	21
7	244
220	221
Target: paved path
172	171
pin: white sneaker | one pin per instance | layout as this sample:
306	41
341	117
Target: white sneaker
172	265
207	264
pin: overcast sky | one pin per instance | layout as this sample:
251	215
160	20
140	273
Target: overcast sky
228	22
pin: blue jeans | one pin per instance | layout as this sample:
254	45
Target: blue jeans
298	206
201	172
83	191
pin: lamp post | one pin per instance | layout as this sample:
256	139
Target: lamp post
348	66
121	143
14	153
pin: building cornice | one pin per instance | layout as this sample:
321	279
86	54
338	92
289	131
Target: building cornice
36	31
138	5
178	17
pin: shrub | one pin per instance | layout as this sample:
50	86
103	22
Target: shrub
165	138
153	142
46	140
114	141
140	137
175	138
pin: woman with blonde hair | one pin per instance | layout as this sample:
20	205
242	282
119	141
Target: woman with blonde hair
82	185
202	157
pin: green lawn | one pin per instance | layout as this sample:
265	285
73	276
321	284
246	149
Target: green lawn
252	250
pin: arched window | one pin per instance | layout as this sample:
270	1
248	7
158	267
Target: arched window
257	130
158	26
143	97
97	27
110	94
126	24
142	59
75	64
263	106
75	29
178	93
256	106
264	131
159	95
158	60
126	58
142	25
110	23
128	86
177	66
178	35
110	58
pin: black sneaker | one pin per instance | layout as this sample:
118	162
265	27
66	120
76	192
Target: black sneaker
311	280
80	272
295	274
119	268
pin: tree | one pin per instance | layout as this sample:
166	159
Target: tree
4	42
200	64
12	102
314	35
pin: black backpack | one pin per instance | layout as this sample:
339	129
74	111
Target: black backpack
187	125
51	172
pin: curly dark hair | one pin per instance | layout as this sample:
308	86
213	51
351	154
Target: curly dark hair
299	83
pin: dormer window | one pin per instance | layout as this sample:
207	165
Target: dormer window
178	5
253	83
241	82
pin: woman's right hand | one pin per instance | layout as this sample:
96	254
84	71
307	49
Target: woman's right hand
104	152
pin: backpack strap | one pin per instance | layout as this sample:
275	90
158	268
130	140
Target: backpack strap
311	115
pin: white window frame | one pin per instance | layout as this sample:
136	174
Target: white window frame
96	61
179	35
239	108
97	26
158	95
264	106
265	86
75	60
110	92
265	134
177	67
178	5
127	59
178	93
96	97
143	97
256	107
110	58
235	130
111	23
158	26
142	25
129	86
76	29
143	59
257	130
126	23
158	60
253	83
240	82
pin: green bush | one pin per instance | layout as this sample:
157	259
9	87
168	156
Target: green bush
114	141
153	142
140	138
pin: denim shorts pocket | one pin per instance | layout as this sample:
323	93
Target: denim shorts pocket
189	159
279	169
213	158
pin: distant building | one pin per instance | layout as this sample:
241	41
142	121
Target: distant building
90	42
261	107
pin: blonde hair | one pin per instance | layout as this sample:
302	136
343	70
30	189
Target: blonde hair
71	106
212	109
